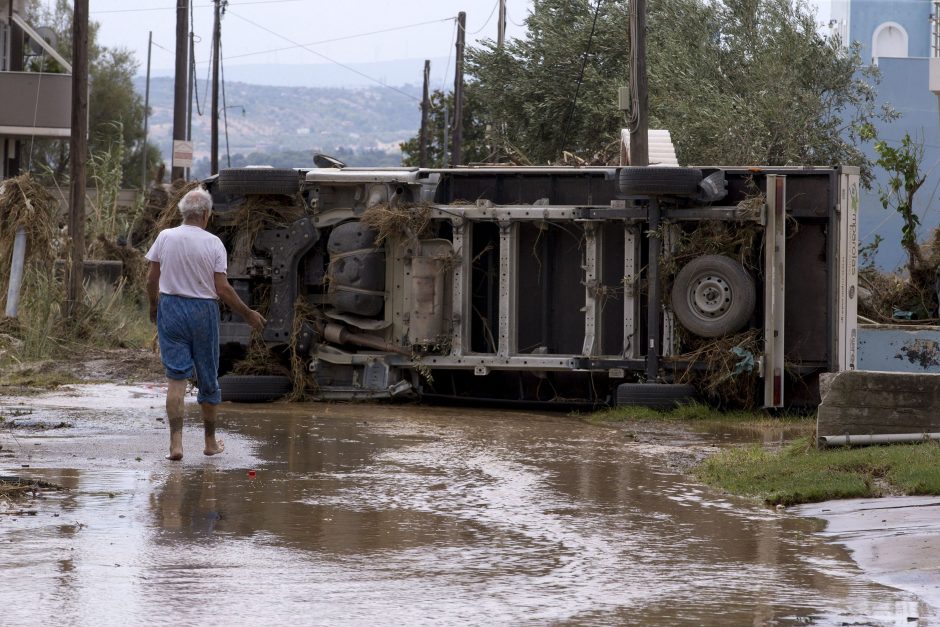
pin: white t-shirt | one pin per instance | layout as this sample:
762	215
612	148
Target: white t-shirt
189	257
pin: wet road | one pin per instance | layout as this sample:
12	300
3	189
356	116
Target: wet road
364	514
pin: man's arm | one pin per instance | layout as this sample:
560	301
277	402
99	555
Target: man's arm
153	289
231	298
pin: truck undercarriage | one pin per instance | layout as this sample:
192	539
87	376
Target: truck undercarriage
534	284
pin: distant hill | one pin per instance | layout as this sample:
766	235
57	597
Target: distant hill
264	119
353	75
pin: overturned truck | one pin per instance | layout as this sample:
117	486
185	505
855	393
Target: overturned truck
570	286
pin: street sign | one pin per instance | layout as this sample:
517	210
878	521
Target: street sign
182	153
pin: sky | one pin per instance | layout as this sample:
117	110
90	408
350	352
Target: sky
355	32
337	32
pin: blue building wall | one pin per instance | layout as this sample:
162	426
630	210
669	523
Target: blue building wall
904	86
913	15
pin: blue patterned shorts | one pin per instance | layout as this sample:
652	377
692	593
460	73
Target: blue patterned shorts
189	342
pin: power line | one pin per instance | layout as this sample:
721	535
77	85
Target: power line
320	54
201	6
343	38
161	47
509	17
587	51
480	30
450	49
228	155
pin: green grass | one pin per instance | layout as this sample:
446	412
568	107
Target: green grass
800	473
699	415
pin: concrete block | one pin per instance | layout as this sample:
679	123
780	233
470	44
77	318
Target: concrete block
96	270
859	402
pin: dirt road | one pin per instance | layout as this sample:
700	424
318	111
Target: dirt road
391	514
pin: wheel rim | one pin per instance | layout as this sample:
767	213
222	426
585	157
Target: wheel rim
710	296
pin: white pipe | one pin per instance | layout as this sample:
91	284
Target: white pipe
876	438
16	272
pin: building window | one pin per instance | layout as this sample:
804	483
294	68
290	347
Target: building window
889	40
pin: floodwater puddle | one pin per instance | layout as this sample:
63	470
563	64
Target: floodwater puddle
392	514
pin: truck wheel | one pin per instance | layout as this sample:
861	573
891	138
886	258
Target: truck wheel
662	396
241	181
713	295
253	388
658	181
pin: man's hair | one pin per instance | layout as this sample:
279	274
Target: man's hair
195	202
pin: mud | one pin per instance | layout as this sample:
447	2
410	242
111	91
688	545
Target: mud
384	514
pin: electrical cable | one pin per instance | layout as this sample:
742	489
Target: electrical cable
323	56
450	50
201	6
32	135
161	47
508	17
633	117
577	91
343	38
493	12
228	155
192	59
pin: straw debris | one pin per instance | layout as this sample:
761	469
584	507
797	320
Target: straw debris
723	369
25	203
260	212
410	221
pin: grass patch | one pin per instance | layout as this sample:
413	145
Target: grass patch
801	473
699	414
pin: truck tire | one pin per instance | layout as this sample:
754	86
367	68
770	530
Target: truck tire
242	181
661	396
713	295
659	181
253	388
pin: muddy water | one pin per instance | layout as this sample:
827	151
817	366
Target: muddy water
363	514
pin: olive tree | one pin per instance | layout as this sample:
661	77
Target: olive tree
474	147
735	81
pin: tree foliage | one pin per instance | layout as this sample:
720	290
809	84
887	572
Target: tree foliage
905	178
115	110
735	81
474	146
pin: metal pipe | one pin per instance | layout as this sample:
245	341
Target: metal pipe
876	438
653	300
16	272
337	334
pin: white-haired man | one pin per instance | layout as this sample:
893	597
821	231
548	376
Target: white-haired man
185	280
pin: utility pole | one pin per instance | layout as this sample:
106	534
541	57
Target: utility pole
180	80
78	149
214	132
143	150
456	157
15	65
501	25
190	89
639	137
425	106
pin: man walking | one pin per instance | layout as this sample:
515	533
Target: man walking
184	282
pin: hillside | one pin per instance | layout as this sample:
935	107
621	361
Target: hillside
265	120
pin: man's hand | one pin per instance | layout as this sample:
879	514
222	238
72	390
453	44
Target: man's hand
153	314
256	320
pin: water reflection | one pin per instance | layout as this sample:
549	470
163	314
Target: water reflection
391	514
